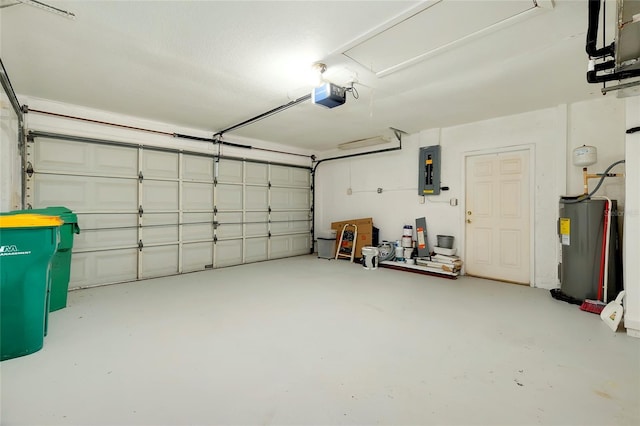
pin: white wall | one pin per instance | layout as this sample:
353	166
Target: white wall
598	123
632	221
10	168
547	132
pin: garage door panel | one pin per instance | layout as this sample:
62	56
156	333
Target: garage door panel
300	244
229	225
289	245
107	220
197	196
290	222
256	249
257	198
159	164
103	267
99	231
85	194
230	171
257	224
197	168
197	226
160	195
290	176
290	198
62	156
159	261
197	256
228	197
228	253
105	238
53	155
257	173
159	228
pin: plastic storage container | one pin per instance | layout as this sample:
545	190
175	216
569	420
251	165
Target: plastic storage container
61	264
445	241
27	245
327	244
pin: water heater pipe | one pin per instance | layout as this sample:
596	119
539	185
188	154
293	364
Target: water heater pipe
586	176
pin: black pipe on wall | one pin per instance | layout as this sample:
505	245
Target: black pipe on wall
592	33
398	134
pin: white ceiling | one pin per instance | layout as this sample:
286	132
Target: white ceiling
212	64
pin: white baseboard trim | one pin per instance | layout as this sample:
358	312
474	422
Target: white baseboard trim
633	328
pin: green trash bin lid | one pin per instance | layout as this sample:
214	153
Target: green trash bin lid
67	215
28	220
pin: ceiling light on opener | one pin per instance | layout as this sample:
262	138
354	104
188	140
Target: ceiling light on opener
318	70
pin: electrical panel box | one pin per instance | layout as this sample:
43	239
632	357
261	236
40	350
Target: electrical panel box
429	170
328	95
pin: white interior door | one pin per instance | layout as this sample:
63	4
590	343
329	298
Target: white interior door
497	216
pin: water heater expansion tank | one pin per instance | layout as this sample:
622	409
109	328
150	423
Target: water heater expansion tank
584	156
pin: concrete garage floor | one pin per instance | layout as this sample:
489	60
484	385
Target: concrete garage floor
312	341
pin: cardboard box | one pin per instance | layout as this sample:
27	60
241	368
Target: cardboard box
365	233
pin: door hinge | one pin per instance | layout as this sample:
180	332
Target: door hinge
140	245
140	177
215	224
215	239
29	169
140	211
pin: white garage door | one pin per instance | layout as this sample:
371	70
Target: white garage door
146	212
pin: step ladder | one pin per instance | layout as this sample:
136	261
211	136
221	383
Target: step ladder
347	244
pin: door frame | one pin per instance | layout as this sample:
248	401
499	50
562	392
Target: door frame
531	148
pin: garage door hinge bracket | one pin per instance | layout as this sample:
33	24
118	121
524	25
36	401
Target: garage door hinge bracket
215	210
269	184
140	211
269	234
215	224
140	245
29	169
140	177
215	239
269	209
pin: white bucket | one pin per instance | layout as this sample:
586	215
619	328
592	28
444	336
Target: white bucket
370	257
407	253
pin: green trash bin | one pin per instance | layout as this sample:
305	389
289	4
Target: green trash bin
61	264
27	245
